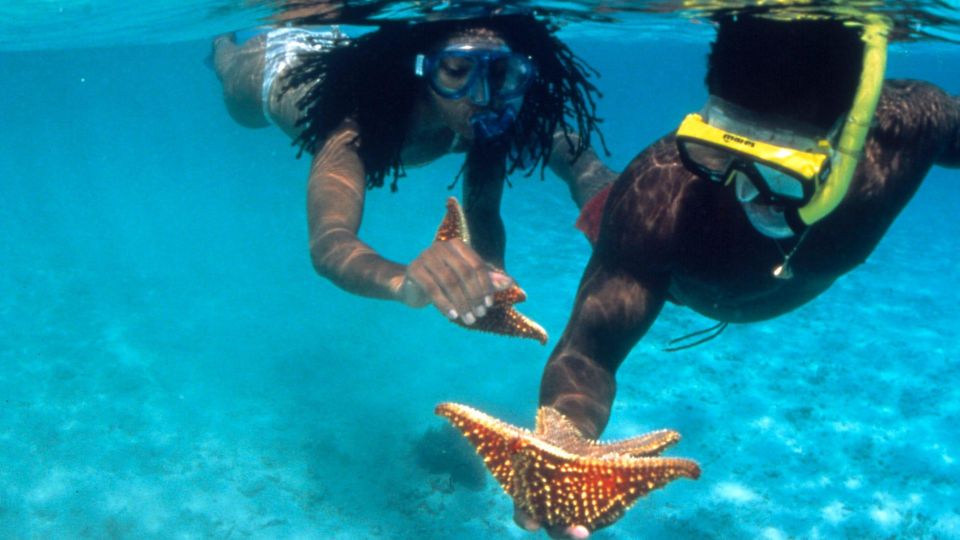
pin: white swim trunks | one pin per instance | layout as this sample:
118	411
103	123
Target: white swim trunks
284	45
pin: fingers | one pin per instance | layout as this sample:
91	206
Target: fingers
456	280
523	520
500	280
529	524
468	284
572	532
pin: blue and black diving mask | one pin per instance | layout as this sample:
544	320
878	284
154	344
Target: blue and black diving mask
494	78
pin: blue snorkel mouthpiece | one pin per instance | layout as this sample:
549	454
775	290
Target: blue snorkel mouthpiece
489	124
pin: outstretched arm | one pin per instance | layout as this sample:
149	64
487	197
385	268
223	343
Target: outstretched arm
614	308
585	174
621	293
612	311
448	274
335	197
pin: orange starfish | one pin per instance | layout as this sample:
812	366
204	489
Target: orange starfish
559	477
501	318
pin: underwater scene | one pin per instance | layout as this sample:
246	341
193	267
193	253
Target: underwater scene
171	365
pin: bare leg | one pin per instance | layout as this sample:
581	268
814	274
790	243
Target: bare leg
240	70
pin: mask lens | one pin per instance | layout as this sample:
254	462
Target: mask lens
744	188
711	161
718	164
509	75
454	74
780	183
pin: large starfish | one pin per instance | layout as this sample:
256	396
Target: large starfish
561	478
501	318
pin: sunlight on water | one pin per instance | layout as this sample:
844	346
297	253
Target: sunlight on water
52	24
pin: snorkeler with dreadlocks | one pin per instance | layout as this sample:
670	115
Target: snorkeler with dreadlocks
498	89
783	181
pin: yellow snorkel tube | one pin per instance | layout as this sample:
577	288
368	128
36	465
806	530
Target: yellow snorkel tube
854	133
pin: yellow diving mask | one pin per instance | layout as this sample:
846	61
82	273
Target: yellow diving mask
781	174
803	181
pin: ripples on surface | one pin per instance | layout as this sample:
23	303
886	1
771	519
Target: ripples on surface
90	23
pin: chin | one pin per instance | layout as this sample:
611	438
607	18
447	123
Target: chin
768	220
465	134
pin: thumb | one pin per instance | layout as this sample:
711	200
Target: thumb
501	281
412	294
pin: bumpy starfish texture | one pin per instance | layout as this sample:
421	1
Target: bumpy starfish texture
561	478
501	318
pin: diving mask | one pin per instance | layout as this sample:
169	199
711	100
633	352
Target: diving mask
484	74
782	175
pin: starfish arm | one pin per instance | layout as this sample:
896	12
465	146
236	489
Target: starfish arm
559	478
504	319
557	428
454	224
493	439
587	491
648	444
501	318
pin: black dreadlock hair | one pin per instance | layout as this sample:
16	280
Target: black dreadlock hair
805	70
371	79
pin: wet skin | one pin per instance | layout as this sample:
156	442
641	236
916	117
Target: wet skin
453	276
456	278
668	235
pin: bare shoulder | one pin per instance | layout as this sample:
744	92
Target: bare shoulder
647	204
653	181
909	108
345	135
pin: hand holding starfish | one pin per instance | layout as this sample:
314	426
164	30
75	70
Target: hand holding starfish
496	314
562	480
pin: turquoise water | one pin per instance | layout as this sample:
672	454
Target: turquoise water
170	366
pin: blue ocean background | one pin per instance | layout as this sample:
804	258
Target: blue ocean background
171	366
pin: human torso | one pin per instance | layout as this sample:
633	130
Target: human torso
423	147
428	137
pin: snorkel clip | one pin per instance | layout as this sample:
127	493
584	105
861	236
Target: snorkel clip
489	124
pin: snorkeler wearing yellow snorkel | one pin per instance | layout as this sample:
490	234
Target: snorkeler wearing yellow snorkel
786	179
